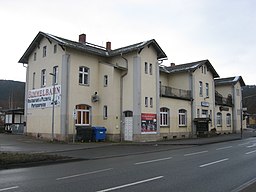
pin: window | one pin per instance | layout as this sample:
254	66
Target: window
207	89
151	102
146	101
44	51
204	113
105	112
228	119
182	117
237	92
146	68
35	56
55	49
164	116
204	69
43	78
200	88
219	119
198	113
84	75
83	115
105	81
33	80
150	69
55	75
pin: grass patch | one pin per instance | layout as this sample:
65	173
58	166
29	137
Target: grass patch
8	159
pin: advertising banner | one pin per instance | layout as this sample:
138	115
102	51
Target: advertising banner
43	98
148	123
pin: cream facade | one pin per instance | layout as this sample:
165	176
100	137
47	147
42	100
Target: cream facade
77	85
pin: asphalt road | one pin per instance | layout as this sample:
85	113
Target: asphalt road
226	166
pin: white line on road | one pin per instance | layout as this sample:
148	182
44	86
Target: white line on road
250	152
243	144
131	184
221	148
152	161
9	188
214	162
196	153
253	145
82	174
245	185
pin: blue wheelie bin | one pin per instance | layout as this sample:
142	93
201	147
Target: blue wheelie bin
99	133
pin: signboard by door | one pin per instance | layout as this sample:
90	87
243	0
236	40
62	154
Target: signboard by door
148	123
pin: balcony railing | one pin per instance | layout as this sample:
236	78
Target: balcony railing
175	93
219	100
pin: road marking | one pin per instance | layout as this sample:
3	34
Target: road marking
245	185
152	161
250	152
253	145
131	184
82	174
196	153
214	162
9	188
224	148
243	144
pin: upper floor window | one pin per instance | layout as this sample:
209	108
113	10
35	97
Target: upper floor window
55	75
219	119
200	88
207	89
182	117
33	80
43	78
34	56
105	80
146	101
84	75
151	102
150	69
146	68
44	51
105	112
55	49
164	116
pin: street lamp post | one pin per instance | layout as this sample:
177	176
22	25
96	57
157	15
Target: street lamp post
53	103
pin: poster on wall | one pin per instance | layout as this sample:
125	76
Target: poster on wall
148	123
42	98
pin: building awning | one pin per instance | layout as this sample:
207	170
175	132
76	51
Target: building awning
202	120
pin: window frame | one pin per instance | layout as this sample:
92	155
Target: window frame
200	88
146	68
55	77
228	119
83	113
219	119
207	89
182	117
146	102
105	112
150	69
85	76
43	77
105	80
164	117
44	51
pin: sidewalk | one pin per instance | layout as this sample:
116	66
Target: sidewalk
25	144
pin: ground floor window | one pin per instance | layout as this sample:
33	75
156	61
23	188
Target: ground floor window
182	117
83	115
219	119
228	119
164	116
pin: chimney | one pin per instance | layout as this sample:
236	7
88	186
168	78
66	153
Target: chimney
172	64
82	38
108	46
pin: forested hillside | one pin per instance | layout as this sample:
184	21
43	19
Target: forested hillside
249	98
12	94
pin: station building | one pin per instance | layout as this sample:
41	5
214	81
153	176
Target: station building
74	85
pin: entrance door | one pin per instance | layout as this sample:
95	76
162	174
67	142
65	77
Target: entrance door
128	125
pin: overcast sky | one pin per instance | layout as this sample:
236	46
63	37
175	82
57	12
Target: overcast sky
222	31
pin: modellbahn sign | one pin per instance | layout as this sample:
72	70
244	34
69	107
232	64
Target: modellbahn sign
43	98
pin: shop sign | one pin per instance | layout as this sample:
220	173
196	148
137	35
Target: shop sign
148	123
43	98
